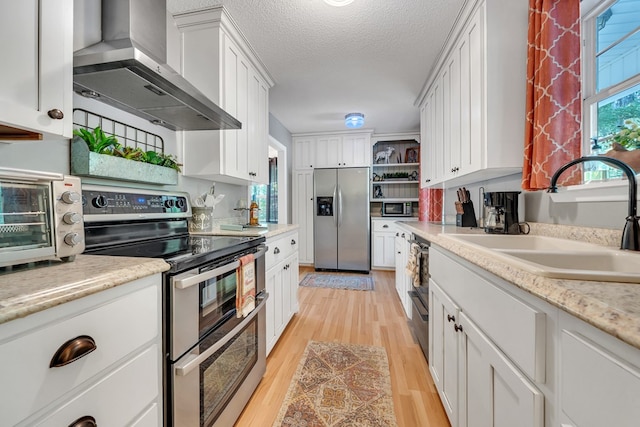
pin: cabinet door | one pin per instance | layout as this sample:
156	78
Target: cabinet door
452	109
236	78
436	135
494	392
270	307
37	57
303	213
425	151
443	349
293	284
328	151
384	249
472	76
258	144
304	152
597	386
356	151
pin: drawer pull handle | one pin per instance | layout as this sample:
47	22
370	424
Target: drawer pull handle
86	421
451	318
293	242
73	350
55	114
276	250
385	226
457	328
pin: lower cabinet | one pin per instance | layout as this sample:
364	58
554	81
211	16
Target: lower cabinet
599	377
113	375
281	284
403	281
476	335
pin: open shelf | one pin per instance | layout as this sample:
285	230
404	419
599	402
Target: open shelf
394	165
394	199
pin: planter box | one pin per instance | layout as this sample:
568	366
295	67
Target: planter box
87	163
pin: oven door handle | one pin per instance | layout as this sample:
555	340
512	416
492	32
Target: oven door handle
188	280
192	361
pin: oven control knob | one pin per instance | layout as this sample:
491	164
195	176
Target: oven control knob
70	197
71	218
72	239
100	201
180	204
168	203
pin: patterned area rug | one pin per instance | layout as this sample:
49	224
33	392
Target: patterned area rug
339	385
338	281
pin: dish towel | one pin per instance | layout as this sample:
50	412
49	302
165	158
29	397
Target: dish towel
413	265
246	286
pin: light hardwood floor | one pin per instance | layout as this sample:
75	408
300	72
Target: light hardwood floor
358	317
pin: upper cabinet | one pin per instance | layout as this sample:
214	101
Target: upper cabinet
218	60
473	106
344	150
37	56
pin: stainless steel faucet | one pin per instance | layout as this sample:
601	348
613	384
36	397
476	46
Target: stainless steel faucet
631	231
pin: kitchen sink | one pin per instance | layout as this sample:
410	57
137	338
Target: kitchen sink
606	265
557	258
524	241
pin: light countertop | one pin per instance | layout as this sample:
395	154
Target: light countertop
271	230
610	306
28	291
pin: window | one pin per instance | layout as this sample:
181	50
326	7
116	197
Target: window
267	195
611	82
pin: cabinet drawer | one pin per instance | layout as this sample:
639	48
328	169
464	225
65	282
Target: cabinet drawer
384	225
280	248
117	326
118	398
517	328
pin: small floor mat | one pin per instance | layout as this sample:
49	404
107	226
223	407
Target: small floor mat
338	281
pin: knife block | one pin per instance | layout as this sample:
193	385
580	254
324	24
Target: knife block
468	217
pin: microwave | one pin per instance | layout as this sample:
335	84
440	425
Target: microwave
397	209
40	217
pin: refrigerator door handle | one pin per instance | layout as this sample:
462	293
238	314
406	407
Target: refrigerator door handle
339	206
335	200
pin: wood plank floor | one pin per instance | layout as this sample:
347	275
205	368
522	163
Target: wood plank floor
358	317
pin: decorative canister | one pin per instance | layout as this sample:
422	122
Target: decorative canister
201	219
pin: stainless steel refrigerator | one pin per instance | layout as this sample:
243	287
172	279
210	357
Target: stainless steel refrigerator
341	219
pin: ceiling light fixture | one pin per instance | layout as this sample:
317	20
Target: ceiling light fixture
353	120
338	3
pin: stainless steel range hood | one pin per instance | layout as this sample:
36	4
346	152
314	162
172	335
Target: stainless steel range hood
128	70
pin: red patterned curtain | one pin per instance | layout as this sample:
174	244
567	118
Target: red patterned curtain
430	204
554	115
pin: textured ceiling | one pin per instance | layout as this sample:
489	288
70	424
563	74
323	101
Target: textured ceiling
372	56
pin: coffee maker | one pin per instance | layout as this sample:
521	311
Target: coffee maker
501	212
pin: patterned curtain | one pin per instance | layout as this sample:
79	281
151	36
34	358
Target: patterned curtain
554	115
430	204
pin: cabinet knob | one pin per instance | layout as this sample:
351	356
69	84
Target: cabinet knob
451	318
385	226
293	242
458	328
276	250
73	350
86	421
427	180
55	114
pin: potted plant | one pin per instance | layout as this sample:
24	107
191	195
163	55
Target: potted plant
95	153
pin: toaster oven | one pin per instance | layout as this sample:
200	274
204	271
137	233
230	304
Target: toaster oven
40	217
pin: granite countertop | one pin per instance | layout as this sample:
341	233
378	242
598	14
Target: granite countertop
610	306
28	291
271	231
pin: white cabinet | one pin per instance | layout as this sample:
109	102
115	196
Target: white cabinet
444	349
281	284
37	56
217	61
117	377
383	243
320	150
473	106
303	209
599	377
403	281
487	348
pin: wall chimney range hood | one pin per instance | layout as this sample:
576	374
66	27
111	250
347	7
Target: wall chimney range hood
128	70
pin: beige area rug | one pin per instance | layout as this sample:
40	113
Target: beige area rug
339	385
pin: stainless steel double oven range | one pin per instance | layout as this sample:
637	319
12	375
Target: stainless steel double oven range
213	361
